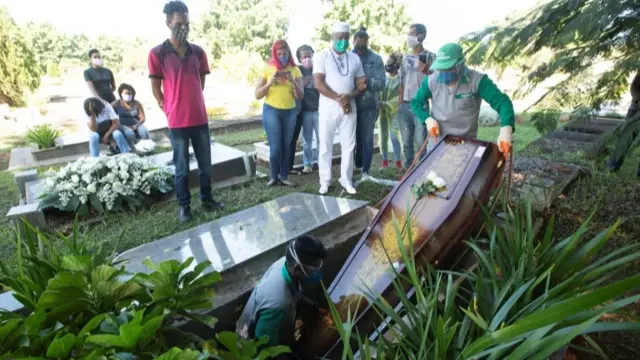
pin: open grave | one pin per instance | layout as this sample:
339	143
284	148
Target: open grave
586	138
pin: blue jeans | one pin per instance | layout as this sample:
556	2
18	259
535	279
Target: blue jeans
412	131
130	135
201	143
364	138
279	125
309	127
94	142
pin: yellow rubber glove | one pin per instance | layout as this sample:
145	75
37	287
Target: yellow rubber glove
432	127
505	139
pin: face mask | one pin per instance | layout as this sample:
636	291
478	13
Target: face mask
284	59
412	41
96	62
314	277
341	45
181	33
390	68
360	48
447	77
127	98
307	63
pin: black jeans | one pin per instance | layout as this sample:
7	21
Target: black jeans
201	142
616	163
294	140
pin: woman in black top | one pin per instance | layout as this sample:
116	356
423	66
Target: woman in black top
99	79
131	114
309	107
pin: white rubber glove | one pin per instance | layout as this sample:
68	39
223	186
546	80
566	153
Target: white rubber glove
432	127
505	139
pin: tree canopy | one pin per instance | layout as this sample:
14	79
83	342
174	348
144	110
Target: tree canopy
385	20
232	26
19	69
572	38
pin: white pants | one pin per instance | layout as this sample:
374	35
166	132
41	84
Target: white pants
330	121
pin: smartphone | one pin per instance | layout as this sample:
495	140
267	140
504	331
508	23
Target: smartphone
282	74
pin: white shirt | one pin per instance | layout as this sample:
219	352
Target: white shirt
341	71
107	114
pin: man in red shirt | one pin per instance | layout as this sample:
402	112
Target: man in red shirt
177	70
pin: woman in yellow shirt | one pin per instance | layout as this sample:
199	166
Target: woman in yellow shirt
280	86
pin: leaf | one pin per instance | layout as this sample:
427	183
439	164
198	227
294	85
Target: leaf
92	324
77	263
61	347
178	354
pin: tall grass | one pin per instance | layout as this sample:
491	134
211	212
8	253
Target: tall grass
526	297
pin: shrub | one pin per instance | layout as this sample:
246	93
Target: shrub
216	112
524	299
105	184
79	305
242	67
43	135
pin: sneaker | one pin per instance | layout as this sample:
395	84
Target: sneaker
272	182
288	183
348	187
294	172
307	170
385	164
399	165
324	189
212	205
184	214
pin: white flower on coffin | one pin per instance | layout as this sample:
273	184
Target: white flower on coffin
436	180
75	179
91	188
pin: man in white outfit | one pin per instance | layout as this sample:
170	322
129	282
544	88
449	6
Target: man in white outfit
339	78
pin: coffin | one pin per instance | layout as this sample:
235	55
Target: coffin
471	170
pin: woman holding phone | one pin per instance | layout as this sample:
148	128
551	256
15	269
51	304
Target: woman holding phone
280	85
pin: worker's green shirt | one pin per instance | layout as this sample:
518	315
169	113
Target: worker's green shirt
457	109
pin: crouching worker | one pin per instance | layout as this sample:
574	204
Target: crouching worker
103	126
131	115
271	309
456	93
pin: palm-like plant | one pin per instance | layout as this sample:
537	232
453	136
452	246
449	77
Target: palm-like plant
524	298
43	135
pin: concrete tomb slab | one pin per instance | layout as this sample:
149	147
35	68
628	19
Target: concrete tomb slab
556	145
29	212
229	166
230	241
22	178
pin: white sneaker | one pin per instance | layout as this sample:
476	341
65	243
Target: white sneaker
324	189
348	187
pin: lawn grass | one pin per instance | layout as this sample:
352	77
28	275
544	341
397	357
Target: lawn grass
234	138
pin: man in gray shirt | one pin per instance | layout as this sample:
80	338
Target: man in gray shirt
413	69
271	309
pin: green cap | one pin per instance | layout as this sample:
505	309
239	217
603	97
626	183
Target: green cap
448	56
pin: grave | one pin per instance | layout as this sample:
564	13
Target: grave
262	150
540	180
68	148
22	178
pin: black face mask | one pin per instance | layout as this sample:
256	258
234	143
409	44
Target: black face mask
391	68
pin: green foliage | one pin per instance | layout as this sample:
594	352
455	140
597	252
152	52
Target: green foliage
546	120
386	22
79	305
19	70
572	37
526	298
241	67
43	135
249	26
627	139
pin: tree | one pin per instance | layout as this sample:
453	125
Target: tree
385	20
19	69
46	42
243	26
577	35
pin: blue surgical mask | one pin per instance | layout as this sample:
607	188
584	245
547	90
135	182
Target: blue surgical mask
284	59
447	77
314	277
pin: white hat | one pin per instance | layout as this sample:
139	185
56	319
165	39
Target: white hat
341	27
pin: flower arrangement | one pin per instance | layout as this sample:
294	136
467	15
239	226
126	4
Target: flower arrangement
105	184
429	187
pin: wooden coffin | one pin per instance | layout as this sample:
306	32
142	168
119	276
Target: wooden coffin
471	170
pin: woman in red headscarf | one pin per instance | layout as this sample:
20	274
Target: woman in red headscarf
280	85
